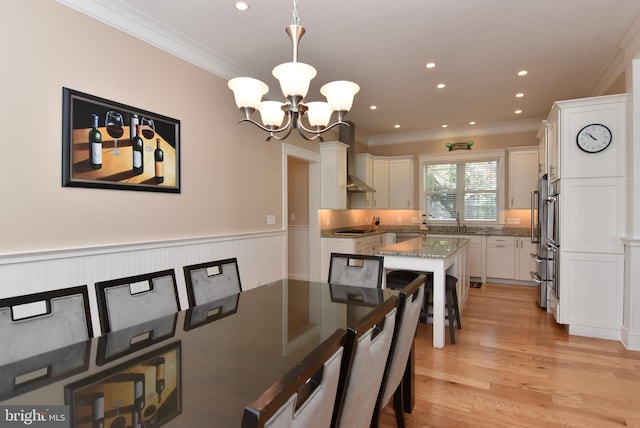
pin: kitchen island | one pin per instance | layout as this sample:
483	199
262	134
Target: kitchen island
441	256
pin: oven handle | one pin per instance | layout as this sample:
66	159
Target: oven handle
550	247
535	278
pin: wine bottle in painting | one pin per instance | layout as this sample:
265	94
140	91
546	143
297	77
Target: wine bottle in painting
137	152
160	383
98	411
135	121
159	158
95	145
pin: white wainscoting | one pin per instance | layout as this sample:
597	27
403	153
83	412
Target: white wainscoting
260	261
298	237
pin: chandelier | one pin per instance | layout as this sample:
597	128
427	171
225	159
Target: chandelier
294	78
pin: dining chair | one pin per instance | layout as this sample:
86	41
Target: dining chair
211	281
206	313
356	269
409	308
132	300
306	395
366	352
41	322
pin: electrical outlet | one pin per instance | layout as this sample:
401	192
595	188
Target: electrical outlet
399	219
513	221
271	219
292	217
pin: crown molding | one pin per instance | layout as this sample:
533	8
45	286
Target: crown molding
120	15
475	131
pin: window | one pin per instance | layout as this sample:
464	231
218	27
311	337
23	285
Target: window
464	187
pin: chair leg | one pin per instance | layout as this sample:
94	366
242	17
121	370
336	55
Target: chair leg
451	316
398	407
457	308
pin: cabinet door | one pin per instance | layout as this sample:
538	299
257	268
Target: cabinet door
523	176
501	257
475	259
526	265
333	172
364	171
401	184
553	151
381	183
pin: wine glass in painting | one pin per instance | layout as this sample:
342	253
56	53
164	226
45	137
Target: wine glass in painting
148	131
115	129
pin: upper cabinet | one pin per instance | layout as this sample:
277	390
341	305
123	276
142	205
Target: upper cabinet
393	182
333	175
523	176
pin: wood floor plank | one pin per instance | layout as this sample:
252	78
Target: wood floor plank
513	366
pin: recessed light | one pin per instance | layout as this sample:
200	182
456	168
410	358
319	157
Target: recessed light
518	111
241	5
445	126
431	64
373	108
472	123
523	73
440	85
396	126
520	95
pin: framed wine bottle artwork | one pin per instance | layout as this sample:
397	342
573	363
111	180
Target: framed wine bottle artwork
109	145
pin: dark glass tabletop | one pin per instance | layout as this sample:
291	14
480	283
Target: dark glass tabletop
196	368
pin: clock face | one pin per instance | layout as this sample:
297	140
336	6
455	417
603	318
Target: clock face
594	138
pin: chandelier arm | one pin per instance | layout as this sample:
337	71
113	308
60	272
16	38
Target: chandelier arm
320	131
264	128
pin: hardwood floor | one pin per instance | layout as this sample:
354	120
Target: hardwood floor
513	366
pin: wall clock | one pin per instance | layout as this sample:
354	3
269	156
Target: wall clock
594	138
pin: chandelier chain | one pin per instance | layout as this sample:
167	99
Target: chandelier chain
296	18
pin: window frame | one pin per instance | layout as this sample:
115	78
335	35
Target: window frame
476	156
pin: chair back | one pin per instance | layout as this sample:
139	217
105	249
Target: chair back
306	395
356	269
41	322
125	302
211	281
409	308
366	353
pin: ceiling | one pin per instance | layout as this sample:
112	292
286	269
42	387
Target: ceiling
568	47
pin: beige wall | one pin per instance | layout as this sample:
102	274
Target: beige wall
47	46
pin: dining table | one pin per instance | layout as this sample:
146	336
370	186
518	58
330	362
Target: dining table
199	367
441	257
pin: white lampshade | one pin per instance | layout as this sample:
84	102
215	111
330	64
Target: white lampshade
340	94
294	77
271	113
319	113
248	92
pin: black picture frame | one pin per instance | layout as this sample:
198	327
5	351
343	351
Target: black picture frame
115	392
110	171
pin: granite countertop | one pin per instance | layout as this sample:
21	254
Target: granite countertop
434	230
433	248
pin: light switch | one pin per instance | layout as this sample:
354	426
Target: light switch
271	219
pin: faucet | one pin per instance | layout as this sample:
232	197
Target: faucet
462	228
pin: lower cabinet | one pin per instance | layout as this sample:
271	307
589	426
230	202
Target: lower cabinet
501	257
360	245
524	259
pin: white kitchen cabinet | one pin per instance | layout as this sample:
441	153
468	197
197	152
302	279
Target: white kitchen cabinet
524	260
542	148
553	150
393	182
333	175
364	171
501	257
523	176
592	206
358	245
381	183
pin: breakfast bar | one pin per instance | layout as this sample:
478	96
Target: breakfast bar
441	256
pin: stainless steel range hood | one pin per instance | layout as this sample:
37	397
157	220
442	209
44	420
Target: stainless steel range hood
346	135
